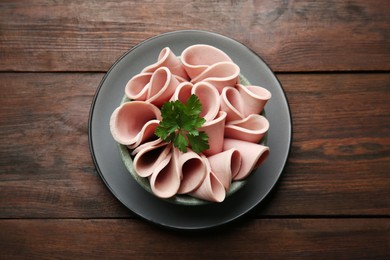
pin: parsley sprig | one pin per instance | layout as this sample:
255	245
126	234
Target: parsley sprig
180	123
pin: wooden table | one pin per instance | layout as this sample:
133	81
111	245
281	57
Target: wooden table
333	60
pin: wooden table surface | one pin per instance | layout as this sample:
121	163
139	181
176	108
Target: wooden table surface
333	61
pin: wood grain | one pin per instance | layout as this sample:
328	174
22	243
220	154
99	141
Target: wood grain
338	165
46	166
80	35
333	199
340	154
132	239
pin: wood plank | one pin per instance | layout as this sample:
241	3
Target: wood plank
46	166
338	164
290	35
340	153
255	239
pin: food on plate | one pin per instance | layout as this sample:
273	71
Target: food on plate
191	126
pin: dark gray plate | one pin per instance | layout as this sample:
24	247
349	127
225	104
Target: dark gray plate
106	155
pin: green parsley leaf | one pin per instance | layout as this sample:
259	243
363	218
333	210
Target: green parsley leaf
193	107
180	123
181	142
199	142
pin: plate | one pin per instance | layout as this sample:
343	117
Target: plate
107	159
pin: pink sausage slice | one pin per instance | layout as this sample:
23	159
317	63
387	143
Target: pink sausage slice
165	180
199	57
168	59
146	134
254	98
149	157
211	188
137	87
191	168
250	129
252	155
182	92
221	74
242	101
146	144
225	166
215	130
232	104
129	121
162	87
209	98
207	94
